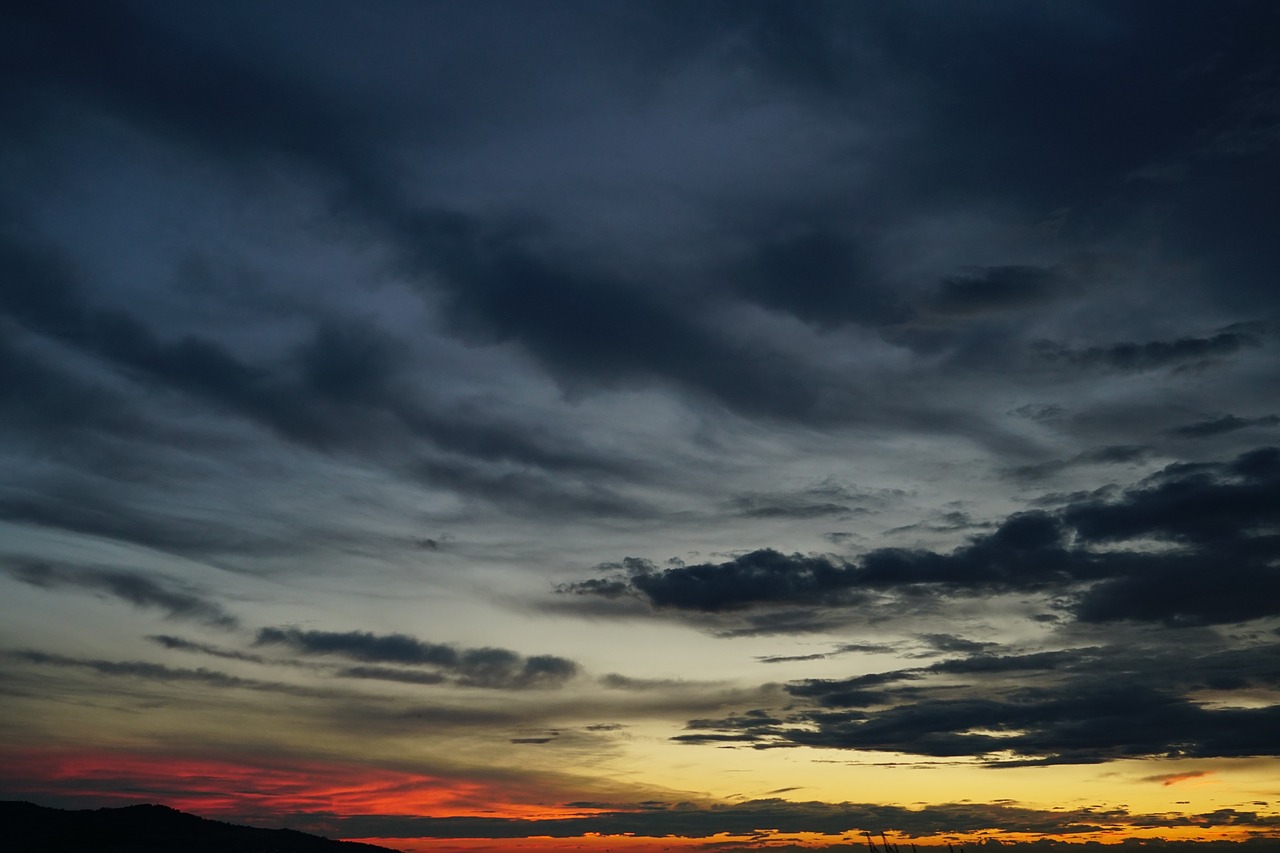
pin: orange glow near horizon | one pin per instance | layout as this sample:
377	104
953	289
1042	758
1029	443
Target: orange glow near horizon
765	840
545	844
259	791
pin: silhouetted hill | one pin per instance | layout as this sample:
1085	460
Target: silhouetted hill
28	828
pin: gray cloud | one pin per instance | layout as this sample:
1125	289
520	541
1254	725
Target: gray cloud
1152	355
136	588
481	667
1054	730
181	644
1052	707
1218	514
1112	455
995	289
154	672
1222	425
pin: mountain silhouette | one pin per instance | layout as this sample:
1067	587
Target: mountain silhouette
28	828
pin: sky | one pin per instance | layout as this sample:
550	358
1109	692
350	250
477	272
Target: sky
508	426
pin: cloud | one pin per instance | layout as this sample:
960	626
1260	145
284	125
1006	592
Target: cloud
819	274
1152	355
388	673
995	289
1222	425
1119	454
155	672
338	389
759	576
1014	710
1219	566
826	499
480	667
770	816
952	643
183	645
1167	779
616	681
792	658
750	507
136	588
125	448
501	281
333	707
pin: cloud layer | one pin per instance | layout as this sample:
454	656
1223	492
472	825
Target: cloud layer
651	387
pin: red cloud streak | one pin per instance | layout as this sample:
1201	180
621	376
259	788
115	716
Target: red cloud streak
254	789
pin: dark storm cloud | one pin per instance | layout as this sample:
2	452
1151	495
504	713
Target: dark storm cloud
583	323
339	389
480	667
1052	707
1220	516
136	588
502	282
591	326
1163	99
512	278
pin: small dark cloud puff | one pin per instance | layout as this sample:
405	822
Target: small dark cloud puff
479	667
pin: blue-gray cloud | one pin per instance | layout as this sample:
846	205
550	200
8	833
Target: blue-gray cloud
137	588
477	667
1220	515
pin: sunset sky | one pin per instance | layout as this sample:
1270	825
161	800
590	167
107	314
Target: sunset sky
604	425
